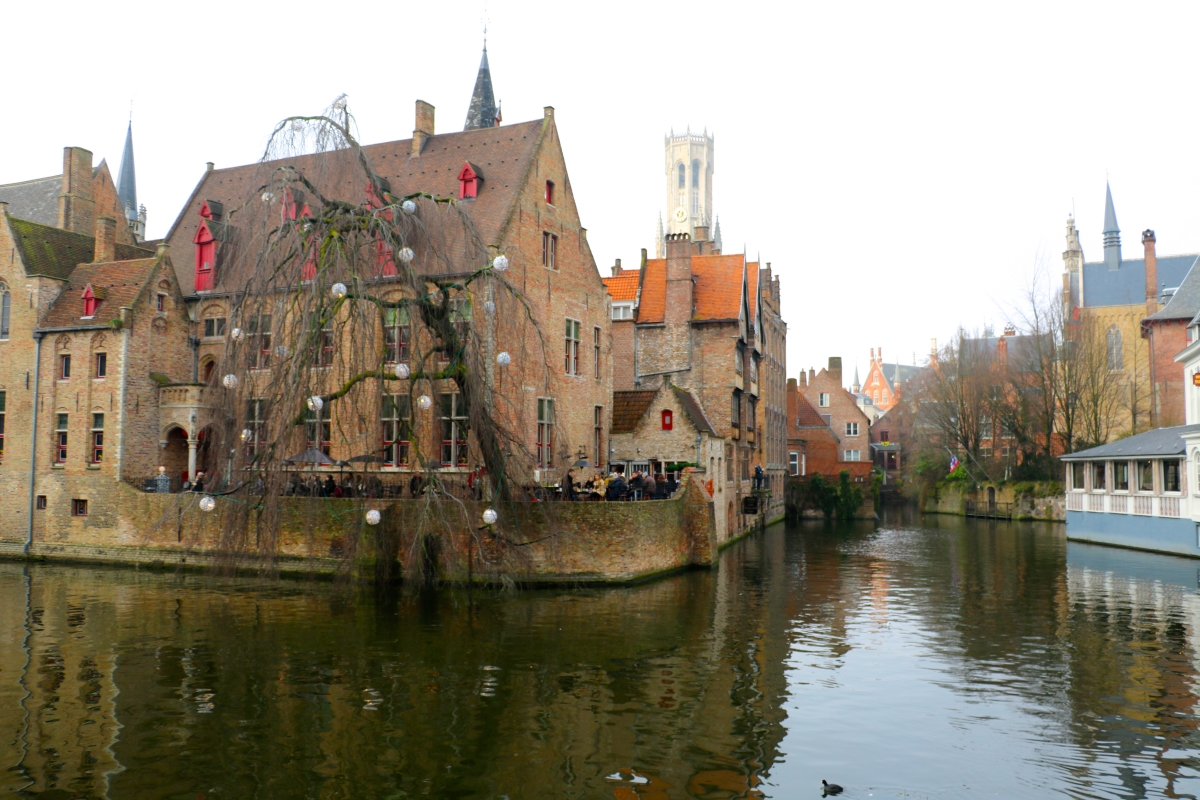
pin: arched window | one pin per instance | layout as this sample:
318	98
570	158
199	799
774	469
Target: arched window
696	173
5	310
1116	355
682	176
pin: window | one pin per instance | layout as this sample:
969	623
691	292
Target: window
738	358
852	429
1099	475
823	399
468	183
41	502
60	439
2	416
622	311
89	303
884	437
397	335
318	426
596	352
545	433
97	438
598	435
5	311
728	463
695	173
853	455
752	417
1116	355
322	352
213	327
1171	470
1145	476
549	193
793	463
256	419
1077	471
549	250
397	429
753	369
259	336
572	347
79	508
1120	476
161	304
206	245
885	395
454	430
64	367
101	365
668	419
804	463
460	315
735	409
682	176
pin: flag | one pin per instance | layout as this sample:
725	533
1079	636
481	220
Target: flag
953	463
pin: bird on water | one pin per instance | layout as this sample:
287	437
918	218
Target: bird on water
830	788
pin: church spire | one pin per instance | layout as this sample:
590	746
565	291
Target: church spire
1112	234
660	244
482	113
126	181
857	387
716	234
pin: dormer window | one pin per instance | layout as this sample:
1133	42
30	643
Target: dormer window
549	193
90	301
206	251
468	181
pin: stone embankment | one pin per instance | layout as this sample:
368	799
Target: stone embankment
1031	501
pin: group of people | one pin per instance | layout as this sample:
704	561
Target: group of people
642	485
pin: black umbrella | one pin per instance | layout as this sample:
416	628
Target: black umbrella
583	462
366	458
310	456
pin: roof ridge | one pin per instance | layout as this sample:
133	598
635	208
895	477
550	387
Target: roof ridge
31	180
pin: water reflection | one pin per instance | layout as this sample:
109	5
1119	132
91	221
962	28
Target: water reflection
933	657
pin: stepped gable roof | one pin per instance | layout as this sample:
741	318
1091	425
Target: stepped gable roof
1127	286
505	154
718	292
1159	442
117	283
35	200
695	413
54	253
623	287
1185	303
629	408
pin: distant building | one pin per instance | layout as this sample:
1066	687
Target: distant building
885	382
839	410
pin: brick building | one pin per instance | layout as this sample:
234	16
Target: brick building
838	409
1167	332
885	382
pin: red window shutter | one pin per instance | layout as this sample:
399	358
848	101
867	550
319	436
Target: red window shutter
550	193
668	421
206	250
468	183
89	302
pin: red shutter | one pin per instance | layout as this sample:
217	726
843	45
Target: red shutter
206	250
668	422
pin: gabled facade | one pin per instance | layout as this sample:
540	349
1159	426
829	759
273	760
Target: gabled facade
839	410
884	383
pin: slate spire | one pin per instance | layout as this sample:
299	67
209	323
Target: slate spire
1112	234
717	235
482	113
126	180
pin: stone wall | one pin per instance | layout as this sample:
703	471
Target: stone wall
949	499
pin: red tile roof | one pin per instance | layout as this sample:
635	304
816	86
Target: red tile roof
623	287
117	282
718	292
752	289
653	304
805	413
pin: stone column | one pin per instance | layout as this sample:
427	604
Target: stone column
192	459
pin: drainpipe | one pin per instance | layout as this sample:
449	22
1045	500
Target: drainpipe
126	322
194	341
37	373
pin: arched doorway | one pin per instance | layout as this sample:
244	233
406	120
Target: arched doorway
207	370
175	454
991	498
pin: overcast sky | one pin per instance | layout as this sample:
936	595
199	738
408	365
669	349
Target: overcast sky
903	166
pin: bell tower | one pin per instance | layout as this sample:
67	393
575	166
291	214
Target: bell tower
690	165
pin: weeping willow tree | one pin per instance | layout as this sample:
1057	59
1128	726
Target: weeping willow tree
378	331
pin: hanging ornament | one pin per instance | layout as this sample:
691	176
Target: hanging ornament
230	381
424	402
489	306
402	371
409	207
297	125
340	103
247	435
315	404
373	517
268	197
406	254
338	290
500	263
490	516
504	359
282	351
207	504
237	334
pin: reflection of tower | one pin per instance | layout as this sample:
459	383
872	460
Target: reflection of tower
690	164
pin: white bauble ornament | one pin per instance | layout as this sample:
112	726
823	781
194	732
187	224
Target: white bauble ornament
338	290
490	516
402	371
424	402
504	359
373	517
406	254
500	263
409	207
230	381
237	334
207	504
315	403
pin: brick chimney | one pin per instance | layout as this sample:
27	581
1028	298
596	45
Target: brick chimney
835	369
933	357
803	378
1002	352
812	374
616	268
76	208
1148	242
424	127
106	240
679	300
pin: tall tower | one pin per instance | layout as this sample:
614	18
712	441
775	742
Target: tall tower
1073	265
135	216
690	164
1112	233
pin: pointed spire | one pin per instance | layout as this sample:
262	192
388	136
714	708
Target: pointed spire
660	245
126	180
857	384
1112	234
717	235
483	112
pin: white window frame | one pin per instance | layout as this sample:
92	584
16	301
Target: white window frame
852	455
823	400
852	429
794	463
571	339
622	311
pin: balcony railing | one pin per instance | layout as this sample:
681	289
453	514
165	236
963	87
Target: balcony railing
1143	505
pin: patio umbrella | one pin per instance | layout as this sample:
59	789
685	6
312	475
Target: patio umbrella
583	462
366	458
310	456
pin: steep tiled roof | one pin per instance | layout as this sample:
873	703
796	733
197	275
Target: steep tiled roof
53	252
118	282
901	372
629	408
695	413
503	153
718	292
35	200
752	289
806	415
1158	442
653	304
623	287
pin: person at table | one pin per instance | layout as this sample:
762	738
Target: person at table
568	485
649	486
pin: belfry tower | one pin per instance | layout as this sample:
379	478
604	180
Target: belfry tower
689	165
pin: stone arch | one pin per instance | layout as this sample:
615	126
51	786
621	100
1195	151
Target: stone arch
213	310
159	324
164	284
208	369
98	341
63	342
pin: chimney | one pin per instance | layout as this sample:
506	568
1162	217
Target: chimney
1148	242
700	233
643	264
812	374
933	352
76	209
680	299
106	240
424	127
616	268
208	166
1002	352
1010	330
872	355
803	378
835	369
3	208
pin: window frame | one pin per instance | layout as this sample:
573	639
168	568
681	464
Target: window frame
735	409
596	350
397	335
100	365
1099	471
259	341
823	400
544	443
455	428
64	366
319	423
397	449
549	250
598	434
217	327
794	463
852	429
622	308
3	420
5	313
1119	469
79	507
62	431
1166	482
571	338
1142	468
549	193
96	452
256	420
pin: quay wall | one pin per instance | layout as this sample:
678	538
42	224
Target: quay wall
949	499
442	539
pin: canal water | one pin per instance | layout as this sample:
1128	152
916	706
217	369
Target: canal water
918	658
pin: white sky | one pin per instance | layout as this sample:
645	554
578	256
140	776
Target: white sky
904	166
